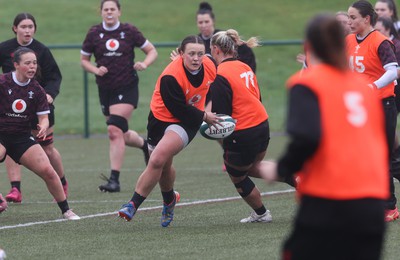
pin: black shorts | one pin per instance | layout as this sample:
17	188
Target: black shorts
122	95
16	145
329	229
242	147
156	130
35	121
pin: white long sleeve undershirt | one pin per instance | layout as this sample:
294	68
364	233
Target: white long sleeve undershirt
389	76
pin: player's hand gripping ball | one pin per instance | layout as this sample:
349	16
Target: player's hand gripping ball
226	128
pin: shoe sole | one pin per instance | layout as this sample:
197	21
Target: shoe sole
390	219
257	221
124	216
107	190
13	201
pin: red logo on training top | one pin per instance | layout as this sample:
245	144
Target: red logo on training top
18	106
112	45
194	100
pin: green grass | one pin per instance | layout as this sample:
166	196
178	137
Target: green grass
209	231
67	21
205	231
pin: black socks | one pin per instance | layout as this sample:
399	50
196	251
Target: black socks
114	175
16	184
137	199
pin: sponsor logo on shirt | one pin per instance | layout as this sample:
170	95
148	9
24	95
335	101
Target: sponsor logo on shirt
112	45
19	106
195	99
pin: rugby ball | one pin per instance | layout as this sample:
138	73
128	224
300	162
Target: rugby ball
226	128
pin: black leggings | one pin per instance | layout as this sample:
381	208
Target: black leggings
333	229
390	110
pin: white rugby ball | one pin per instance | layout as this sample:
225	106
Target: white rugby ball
226	128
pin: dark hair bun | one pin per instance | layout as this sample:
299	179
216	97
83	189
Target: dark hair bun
205	6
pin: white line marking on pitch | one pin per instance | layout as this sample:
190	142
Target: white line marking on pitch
84	201
29	224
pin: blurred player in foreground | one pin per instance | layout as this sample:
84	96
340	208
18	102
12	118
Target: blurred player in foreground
338	148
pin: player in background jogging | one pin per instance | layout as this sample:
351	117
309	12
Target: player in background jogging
112	44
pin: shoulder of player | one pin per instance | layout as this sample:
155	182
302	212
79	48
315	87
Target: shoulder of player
244	49
376	38
301	77
396	41
128	27
209	62
6	81
228	65
36	85
9	44
37	46
95	28
3	78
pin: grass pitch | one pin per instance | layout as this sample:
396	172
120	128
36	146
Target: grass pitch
206	224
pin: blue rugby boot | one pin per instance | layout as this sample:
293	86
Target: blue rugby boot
168	211
127	211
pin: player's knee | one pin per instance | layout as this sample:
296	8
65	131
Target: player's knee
235	172
157	161
245	187
119	122
47	172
